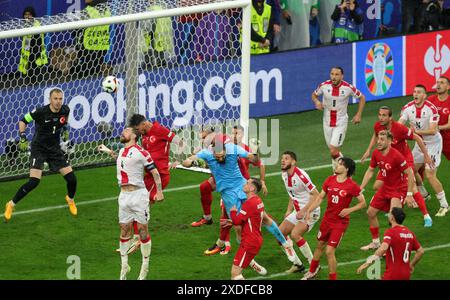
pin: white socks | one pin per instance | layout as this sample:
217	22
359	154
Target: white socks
124	246
442	200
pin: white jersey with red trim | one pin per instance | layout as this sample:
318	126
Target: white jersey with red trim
335	101
298	186
131	163
421	118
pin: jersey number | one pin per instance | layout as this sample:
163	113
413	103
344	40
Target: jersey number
383	172
54	129
406	254
334	199
334	103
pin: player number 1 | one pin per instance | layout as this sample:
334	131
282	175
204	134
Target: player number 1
334	103
54	129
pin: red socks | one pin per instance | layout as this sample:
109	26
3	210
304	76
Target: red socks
421	203
206	196
301	242
332	276
375	232
313	266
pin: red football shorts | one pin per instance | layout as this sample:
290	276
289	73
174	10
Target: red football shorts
245	255
331	232
446	148
382	198
150	184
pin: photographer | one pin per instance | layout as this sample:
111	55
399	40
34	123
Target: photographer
347	22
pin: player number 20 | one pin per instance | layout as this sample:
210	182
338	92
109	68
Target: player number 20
334	199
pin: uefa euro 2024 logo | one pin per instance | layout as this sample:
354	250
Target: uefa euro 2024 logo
379	69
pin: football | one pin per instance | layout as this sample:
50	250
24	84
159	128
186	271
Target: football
110	84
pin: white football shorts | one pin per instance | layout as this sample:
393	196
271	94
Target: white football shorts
134	206
434	150
315	216
335	136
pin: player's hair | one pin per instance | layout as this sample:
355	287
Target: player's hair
257	184
136	119
398	214
56	90
339	68
421	86
384	107
239	127
387	134
291	154
349	164
446	78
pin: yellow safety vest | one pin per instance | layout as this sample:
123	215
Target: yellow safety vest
162	36
260	24
96	38
26	51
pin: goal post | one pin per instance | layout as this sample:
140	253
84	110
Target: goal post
202	79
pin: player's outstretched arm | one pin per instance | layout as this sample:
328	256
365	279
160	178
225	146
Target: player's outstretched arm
159	191
426	156
104	149
411	184
369	148
371	259
311	205
357	117
190	162
361	204
432	129
367	176
262	177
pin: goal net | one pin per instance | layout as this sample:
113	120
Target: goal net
183	63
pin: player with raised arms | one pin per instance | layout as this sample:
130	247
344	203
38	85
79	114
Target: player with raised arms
51	123
340	189
336	95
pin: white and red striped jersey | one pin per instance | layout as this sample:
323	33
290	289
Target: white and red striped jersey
421	118
131	163
298	186
335	101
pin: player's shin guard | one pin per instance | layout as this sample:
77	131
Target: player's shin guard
273	229
206	197
314	265
442	199
305	249
421	203
146	249
32	183
71	184
124	245
332	276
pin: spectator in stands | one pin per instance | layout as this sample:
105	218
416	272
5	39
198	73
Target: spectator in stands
433	15
276	12
212	37
314	27
347	22
33	54
261	31
93	41
389	13
157	40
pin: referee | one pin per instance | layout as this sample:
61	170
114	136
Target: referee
51	123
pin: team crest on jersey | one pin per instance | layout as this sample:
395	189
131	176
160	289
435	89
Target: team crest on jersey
387	166
342	193
152	139
446	111
62	120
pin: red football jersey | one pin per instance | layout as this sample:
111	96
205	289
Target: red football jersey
250	217
401	133
443	108
157	142
392	165
401	242
244	163
339	196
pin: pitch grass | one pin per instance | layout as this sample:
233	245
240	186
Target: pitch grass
37	245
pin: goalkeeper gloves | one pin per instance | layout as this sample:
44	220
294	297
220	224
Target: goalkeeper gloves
65	135
23	142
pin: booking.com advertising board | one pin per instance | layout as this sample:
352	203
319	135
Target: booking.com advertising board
280	83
